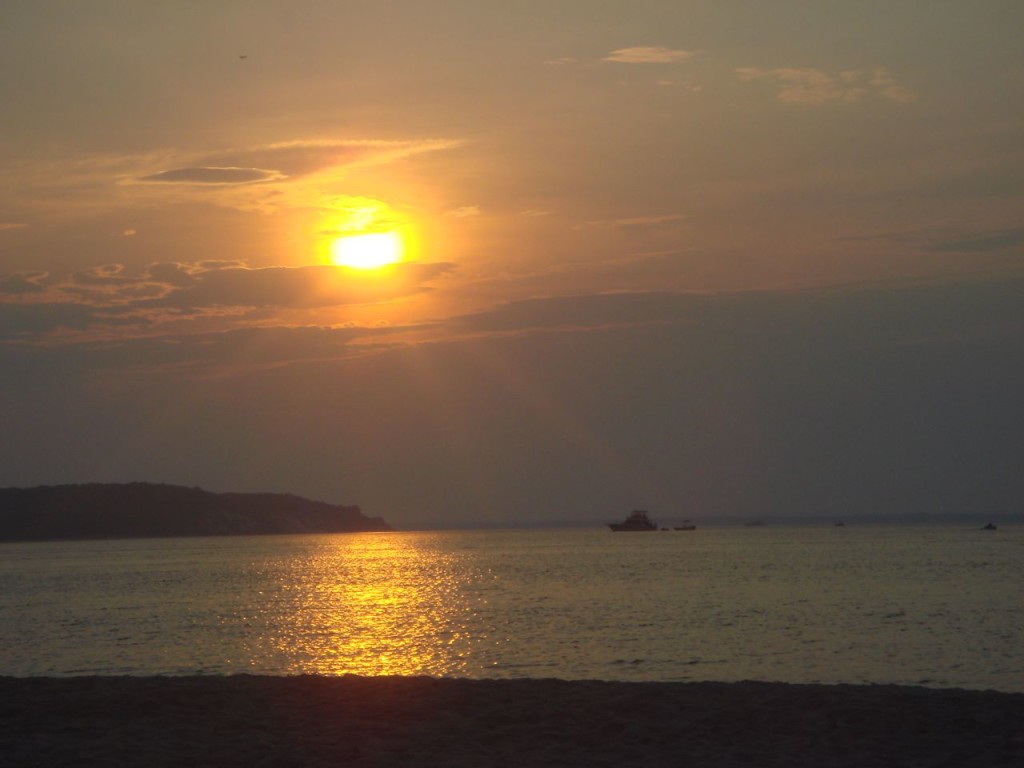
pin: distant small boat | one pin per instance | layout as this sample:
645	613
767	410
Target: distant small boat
686	526
637	521
990	527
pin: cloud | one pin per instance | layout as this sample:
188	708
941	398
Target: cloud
241	347
584	311
976	242
300	287
24	282
464	212
217	264
108	295
644	54
813	87
27	321
268	176
824	319
949	239
179	275
258	178
683	85
108	274
248	347
212	175
639	222
885	85
888	399
302	157
203	352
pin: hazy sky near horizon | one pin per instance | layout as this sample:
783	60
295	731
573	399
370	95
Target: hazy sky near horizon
731	258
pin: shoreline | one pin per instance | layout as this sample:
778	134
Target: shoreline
419	721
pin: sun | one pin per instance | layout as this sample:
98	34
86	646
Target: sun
367	251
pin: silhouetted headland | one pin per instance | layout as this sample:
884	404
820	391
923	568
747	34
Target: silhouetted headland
149	510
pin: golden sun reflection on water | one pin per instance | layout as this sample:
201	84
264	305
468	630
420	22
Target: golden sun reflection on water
374	604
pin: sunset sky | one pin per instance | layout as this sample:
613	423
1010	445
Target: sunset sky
730	259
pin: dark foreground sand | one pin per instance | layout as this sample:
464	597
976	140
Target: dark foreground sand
356	721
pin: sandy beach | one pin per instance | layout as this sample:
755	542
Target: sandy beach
392	721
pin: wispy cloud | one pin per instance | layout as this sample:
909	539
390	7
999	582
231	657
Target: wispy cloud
639	222
914	312
298	287
951	239
281	161
302	173
649	54
23	282
464	212
814	87
108	295
6	225
304	156
260	177
212	175
974	242
886	86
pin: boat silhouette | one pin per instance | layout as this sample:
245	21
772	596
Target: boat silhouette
637	521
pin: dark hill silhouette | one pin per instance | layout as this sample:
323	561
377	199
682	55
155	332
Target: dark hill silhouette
148	510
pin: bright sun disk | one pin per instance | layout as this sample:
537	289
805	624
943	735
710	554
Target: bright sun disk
367	251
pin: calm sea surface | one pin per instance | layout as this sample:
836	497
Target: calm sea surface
921	605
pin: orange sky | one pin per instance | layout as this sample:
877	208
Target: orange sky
564	176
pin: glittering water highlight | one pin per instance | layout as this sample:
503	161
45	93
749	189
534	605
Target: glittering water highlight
921	605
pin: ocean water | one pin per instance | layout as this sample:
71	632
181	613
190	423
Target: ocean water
939	606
